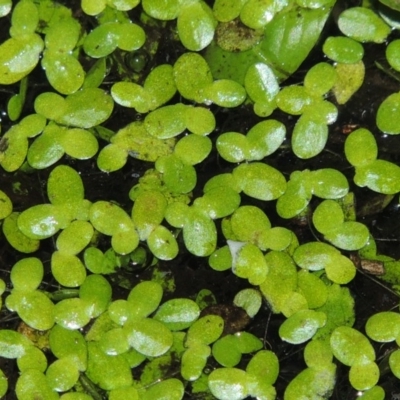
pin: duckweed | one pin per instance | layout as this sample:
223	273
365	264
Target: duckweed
185	108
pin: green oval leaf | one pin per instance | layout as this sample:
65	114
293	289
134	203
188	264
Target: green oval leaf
228	384
260	181
196	33
387	117
363	24
301	326
149	337
350	346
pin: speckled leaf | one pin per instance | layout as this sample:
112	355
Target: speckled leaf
260	181
363	24
310	135
149	337
380	176
387	117
350	346
361	148
199	233
196	25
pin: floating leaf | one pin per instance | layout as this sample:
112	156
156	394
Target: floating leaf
161	9
320	78
145	298
194	360
64	185
5	205
132	95
34	358
312	288
261	84
35	309
63	36
107	217
196	33
192	74
394	363
248	262
226	352
220	259
63	71
264	365
114	341
69	343
72	313
67	269
375	393
265	138
293	99
112	158
199	120
343	49
364	375
62	374
329	183
301	326
233	147
102	41
162	243
387	118
350	346
18	57
297	195
260	181
192	149
392	54
310	135
328	216
40	221
281	280
32	381
205	330
13	344
380	176
27	274
340	269
160	85
87	108
96	292
225	93
313	383
349	79
79	143
363	24
318	353
290	36
75	237
228	384
178	314
383	326
5	8
178	176
16	238
250	300
168	389
218	202
351	235
361	148
108	372
314	256
149	337
199	233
